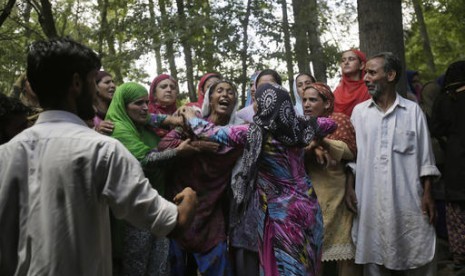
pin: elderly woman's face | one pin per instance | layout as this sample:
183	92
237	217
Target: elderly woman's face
166	92
138	110
313	103
223	99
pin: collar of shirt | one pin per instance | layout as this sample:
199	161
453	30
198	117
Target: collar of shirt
53	116
399	101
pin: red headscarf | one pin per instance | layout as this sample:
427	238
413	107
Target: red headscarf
201	89
349	93
154	106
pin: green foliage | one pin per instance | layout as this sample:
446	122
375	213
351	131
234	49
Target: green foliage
444	21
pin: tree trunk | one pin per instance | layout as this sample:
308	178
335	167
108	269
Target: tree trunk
110	39
244	55
316	49
168	36
187	50
287	46
156	37
424	36
103	7
301	19
380	30
46	20
6	11
207	41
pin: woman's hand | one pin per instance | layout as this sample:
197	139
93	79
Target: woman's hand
187	112
185	148
105	127
174	120
206	146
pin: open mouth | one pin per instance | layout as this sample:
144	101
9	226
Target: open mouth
224	103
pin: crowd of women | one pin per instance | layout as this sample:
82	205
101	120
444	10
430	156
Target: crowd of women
270	177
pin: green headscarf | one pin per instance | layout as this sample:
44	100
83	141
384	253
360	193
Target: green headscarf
137	139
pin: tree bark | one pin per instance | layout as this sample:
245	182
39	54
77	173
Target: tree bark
424	36
168	36
207	41
156	37
244	54
46	20
110	39
287	46
316	49
301	19
380	30
186	50
6	11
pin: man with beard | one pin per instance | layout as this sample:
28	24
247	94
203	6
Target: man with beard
393	231
59	178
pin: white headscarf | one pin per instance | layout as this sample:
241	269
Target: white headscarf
233	119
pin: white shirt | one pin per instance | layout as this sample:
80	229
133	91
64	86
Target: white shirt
57	180
394	151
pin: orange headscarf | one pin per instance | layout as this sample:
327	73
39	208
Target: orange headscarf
349	93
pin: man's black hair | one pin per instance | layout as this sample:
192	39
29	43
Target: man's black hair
51	65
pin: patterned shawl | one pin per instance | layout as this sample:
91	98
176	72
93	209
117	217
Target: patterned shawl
276	117
345	131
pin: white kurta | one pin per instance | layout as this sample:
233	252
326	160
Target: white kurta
57	180
394	151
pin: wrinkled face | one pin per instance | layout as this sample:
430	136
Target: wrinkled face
313	103
166	92
375	77
106	88
85	109
350	63
302	82
223	99
138	110
209	83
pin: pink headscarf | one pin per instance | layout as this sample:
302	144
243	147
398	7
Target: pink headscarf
154	106
201	89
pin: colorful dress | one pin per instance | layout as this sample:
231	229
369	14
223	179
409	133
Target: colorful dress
290	224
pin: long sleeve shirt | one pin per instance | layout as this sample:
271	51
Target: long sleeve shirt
58	180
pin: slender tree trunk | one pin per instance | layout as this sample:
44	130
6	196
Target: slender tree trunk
380	29
316	49
156	37
300	9
424	36
168	35
207	40
6	11
287	46
45	16
103	7
186	49
244	55
110	39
